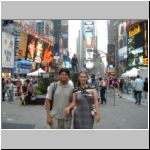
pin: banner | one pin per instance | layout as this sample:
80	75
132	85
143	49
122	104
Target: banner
22	45
7	50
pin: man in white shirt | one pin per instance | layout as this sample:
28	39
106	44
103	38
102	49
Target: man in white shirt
138	86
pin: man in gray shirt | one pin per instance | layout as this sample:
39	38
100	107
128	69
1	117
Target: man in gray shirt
138	86
62	97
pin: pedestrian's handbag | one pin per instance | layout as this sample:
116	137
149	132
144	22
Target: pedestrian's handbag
53	92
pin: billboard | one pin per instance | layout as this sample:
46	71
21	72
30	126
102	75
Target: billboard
138	45
89	26
38	50
89	53
122	41
122	53
89	41
111	54
31	48
47	54
40	46
48	28
7	50
22	45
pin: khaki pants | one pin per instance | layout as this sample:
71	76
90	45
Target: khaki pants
61	124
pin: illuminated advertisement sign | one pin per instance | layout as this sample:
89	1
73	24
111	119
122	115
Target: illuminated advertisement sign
89	42
47	54
89	64
137	45
38	50
89	53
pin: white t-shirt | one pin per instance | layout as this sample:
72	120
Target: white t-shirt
71	83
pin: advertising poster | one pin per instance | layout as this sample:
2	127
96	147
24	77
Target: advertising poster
22	45
7	50
31	48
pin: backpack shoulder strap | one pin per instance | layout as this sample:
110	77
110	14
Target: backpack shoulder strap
55	86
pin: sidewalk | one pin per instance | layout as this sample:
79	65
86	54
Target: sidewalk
123	115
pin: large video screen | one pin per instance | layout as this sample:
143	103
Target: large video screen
137	45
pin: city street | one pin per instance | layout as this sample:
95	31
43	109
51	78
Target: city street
123	115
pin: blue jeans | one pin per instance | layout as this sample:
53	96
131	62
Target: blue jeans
138	96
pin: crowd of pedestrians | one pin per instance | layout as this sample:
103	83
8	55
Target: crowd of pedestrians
25	89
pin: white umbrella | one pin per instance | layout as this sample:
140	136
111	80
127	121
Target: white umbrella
36	73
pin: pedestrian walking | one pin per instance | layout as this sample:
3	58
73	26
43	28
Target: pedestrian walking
24	94
3	89
102	86
121	82
61	98
126	86
138	85
74	63
85	99
145	89
31	90
10	91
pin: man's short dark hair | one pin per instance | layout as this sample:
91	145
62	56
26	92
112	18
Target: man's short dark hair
138	76
64	70
100	78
